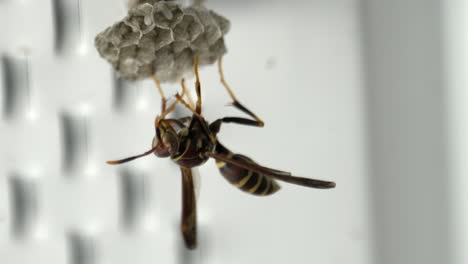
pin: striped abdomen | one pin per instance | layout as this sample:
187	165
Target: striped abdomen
247	180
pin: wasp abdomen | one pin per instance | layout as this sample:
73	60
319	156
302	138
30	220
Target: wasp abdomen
247	180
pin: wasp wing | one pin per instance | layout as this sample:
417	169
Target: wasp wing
196	182
275	174
189	209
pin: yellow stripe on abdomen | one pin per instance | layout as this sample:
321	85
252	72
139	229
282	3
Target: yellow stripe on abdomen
259	181
244	180
267	188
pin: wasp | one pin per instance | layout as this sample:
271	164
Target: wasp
190	141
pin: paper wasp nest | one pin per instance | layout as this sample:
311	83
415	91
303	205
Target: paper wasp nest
163	37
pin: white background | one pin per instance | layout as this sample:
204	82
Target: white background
368	94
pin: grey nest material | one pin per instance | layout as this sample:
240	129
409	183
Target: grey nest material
162	38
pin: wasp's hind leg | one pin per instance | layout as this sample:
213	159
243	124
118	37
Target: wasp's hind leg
188	223
257	122
215	126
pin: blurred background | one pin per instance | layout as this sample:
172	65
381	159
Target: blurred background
369	94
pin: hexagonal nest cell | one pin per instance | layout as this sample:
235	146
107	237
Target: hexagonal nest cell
162	38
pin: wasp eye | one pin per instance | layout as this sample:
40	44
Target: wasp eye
160	149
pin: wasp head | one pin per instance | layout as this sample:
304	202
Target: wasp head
165	142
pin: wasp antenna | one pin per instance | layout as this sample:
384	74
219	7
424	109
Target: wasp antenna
116	162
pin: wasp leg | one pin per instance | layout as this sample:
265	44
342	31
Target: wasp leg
161	93
235	102
173	105
197	117
164	110
186	104
189	210
187	94
215	126
198	108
